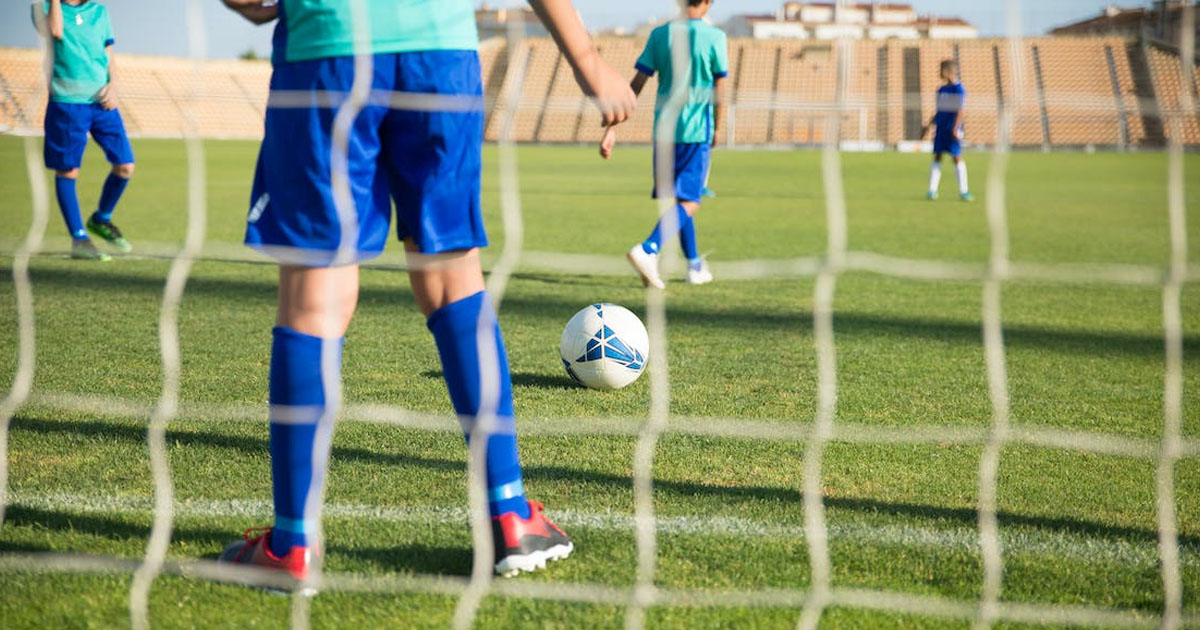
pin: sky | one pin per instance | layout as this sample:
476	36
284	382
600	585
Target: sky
160	27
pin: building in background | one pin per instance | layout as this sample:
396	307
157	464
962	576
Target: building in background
827	20
1162	21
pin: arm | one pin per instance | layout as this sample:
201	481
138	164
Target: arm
257	11
108	93
54	19
597	79
610	135
718	108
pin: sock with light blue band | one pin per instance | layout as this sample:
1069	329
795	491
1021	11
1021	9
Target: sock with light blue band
454	329
68	205
297	405
114	187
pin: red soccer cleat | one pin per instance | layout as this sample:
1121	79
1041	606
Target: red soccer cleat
255	551
527	545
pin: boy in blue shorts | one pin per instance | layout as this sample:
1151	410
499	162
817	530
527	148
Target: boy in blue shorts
696	131
948	137
320	211
83	100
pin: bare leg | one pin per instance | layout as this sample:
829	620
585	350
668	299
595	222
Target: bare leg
317	301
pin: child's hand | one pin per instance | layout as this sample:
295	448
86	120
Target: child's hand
108	96
924	131
609	89
607	144
958	133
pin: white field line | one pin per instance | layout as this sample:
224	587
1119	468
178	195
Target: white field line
961	539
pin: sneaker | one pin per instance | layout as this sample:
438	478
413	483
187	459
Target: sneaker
701	275
967	197
647	266
932	196
83	249
254	550
527	545
109	232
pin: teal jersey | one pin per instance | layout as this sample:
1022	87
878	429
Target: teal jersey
81	56
316	29
709	51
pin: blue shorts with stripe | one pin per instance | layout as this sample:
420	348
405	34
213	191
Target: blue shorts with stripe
691	170
427	159
67	126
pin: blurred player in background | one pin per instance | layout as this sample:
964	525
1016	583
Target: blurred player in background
428	160
948	134
695	133
83	100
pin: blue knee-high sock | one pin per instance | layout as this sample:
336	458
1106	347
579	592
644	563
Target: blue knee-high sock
297	406
687	238
114	187
653	244
68	204
455	328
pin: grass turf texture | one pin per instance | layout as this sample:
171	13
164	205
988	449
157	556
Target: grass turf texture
1078	529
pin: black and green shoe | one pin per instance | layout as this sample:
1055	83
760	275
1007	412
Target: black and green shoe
109	232
83	249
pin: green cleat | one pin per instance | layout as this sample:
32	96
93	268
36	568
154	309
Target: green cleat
109	232
932	196
967	197
83	249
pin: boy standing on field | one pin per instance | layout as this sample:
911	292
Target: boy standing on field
948	137
83	100
429	163
696	131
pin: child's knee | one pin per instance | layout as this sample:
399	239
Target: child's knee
123	170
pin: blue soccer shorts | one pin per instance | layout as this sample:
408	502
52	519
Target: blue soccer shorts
67	126
947	142
691	170
428	162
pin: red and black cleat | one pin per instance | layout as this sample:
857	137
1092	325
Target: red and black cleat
255	551
527	545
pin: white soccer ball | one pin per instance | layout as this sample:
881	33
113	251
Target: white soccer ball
605	346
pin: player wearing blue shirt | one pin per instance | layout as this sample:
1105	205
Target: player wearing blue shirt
83	100
696	130
951	98
320	224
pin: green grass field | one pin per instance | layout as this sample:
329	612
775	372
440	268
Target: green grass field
1077	529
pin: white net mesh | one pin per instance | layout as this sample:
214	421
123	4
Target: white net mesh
841	117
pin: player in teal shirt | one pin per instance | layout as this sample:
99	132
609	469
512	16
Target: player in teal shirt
696	130
83	100
428	163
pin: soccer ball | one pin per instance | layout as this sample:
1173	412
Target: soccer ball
604	346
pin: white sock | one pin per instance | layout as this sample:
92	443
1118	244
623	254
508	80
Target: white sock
935	177
961	170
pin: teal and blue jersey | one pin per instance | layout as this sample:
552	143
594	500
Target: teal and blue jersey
319	29
709	52
950	101
81	56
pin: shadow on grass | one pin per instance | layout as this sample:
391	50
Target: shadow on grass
523	379
773	495
415	558
555	310
115	527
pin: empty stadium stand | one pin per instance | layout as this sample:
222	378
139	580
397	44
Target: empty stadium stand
1064	92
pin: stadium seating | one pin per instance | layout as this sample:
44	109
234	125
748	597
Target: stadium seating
1065	91
1169	89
